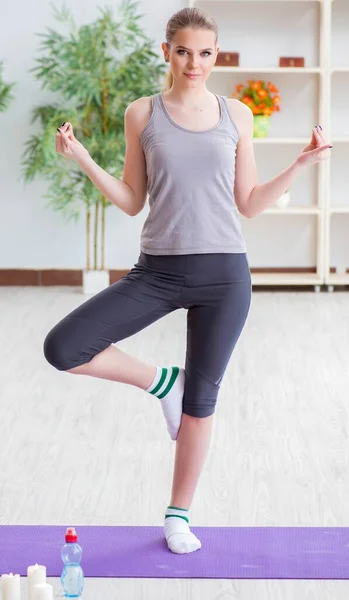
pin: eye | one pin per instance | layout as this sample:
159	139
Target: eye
204	52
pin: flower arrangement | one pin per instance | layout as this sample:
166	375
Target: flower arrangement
258	96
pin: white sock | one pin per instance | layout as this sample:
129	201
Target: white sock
168	386
179	538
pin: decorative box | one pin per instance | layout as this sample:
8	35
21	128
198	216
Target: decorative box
291	61
227	59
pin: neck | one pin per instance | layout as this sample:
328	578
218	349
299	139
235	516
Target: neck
189	96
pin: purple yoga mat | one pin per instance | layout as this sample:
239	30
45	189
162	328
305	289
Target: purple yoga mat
226	553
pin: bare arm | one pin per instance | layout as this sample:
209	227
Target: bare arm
253	198
115	190
128	194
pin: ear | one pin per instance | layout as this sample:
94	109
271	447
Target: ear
164	48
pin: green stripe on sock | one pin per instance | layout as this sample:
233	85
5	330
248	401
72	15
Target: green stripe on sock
177	517
175	371
162	379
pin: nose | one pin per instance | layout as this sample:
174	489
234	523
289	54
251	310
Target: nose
193	62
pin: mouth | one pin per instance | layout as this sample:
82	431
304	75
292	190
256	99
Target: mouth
192	75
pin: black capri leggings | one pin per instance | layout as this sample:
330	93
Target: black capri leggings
214	288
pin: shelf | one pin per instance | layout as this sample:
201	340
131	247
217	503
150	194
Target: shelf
291	70
339	210
275	140
293	210
286	279
324	68
340	70
334	278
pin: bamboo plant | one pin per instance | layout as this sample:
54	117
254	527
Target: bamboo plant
6	95
96	71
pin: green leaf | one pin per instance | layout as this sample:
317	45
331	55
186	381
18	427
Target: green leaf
96	69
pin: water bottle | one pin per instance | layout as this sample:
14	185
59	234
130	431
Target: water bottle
72	576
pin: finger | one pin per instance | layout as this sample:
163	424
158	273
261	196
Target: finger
318	139
313	138
65	140
58	142
68	129
321	149
70	133
321	134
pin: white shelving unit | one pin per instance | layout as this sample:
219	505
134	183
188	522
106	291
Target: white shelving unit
325	207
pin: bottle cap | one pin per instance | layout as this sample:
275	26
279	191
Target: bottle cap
71	535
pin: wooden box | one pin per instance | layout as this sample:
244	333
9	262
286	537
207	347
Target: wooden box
291	61
227	59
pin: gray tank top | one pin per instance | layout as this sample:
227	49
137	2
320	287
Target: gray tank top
191	178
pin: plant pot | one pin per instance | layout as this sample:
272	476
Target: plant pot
94	281
261	124
283	201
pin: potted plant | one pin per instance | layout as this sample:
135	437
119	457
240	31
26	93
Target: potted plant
258	95
6	95
97	70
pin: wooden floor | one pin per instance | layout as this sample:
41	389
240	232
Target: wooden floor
79	450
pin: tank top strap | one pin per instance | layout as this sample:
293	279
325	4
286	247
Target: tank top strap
158	112
226	116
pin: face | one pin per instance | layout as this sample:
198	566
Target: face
191	52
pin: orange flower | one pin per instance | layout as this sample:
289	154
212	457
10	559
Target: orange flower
246	93
262	93
272	88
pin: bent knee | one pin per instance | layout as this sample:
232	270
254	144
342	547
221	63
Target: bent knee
55	351
64	348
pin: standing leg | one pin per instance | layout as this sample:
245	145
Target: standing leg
191	452
214	327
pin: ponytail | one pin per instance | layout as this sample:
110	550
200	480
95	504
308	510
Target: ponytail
168	81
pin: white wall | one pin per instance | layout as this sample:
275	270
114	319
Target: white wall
34	237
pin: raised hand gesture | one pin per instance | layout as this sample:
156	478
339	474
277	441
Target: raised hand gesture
67	145
318	149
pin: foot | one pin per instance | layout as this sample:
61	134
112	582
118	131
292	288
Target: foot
168	386
172	405
179	538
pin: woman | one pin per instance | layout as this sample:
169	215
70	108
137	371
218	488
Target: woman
192	151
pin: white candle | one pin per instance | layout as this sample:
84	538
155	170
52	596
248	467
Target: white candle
11	587
36	574
43	591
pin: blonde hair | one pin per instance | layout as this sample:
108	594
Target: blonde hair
193	18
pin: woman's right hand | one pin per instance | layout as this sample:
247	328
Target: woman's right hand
67	145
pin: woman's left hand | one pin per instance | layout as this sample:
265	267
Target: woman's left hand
318	149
